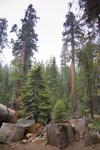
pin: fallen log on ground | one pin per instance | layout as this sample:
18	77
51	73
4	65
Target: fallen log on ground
8	115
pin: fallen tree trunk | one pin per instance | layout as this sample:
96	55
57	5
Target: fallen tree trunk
8	115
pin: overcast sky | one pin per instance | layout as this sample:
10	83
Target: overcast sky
49	27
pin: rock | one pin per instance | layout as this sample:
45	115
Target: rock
24	141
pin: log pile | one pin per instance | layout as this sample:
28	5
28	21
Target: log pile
37	138
26	130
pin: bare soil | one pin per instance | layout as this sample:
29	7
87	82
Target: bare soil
35	146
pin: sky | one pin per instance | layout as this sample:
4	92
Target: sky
49	27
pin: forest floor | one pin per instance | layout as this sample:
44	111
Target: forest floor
35	146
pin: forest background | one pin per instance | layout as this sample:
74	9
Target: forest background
44	89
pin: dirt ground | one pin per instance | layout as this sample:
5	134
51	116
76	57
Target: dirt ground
34	146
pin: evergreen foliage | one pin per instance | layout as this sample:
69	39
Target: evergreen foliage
44	89
65	73
52	81
23	49
65	80
71	36
59	112
5	85
26	42
34	95
92	10
86	57
3	33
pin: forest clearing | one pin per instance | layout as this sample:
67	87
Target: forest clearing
44	106
31	146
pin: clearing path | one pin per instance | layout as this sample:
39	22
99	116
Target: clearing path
34	146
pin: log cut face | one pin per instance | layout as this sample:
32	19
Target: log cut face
8	115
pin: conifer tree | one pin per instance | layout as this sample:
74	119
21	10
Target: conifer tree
71	37
86	56
26	43
34	95
59	112
52	81
24	47
91	10
5	85
3	33
65	72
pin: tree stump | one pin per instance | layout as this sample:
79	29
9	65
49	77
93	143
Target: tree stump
11	133
91	138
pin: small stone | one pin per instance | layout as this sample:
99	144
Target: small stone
24	141
29	135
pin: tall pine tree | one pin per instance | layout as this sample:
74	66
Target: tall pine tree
52	81
24	47
26	43
3	33
71	37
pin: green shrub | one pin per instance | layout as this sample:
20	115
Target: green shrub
96	125
59	112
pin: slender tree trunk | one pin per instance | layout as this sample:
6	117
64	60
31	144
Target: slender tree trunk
19	82
74	101
72	69
65	78
90	100
17	95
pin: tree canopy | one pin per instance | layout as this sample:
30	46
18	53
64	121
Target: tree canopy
3	33
26	43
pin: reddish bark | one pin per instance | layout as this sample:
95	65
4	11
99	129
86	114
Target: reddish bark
74	101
